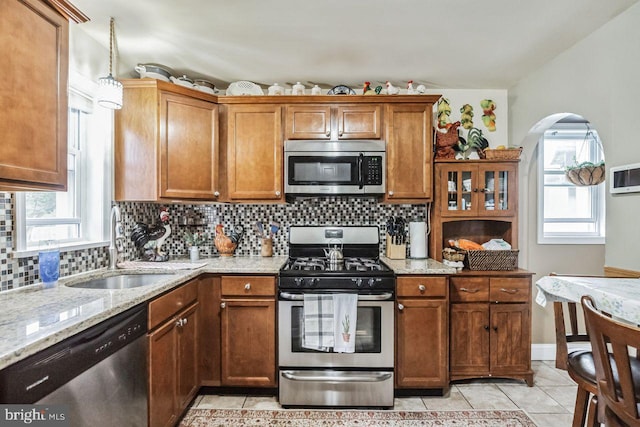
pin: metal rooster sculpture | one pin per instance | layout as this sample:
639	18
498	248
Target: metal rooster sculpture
149	240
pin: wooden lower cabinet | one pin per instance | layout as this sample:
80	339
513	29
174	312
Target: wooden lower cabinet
173	356
248	328
490	326
422	332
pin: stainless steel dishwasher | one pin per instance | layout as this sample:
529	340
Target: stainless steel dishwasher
100	373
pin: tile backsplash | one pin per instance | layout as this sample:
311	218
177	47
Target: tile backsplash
16	272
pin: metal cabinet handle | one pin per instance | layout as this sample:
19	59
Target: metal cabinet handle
178	323
341	132
216	193
185	321
471	291
495	329
391	193
223	304
328	133
422	288
400	307
475	190
277	193
509	291
486	327
247	286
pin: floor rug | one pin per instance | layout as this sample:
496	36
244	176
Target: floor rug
353	418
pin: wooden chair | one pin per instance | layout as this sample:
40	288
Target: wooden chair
578	364
618	372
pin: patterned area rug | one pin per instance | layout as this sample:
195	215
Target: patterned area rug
353	418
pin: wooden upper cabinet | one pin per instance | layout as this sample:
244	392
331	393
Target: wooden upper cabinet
409	153
166	139
331	122
33	94
308	122
254	152
477	188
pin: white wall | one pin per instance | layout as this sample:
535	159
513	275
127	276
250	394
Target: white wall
597	79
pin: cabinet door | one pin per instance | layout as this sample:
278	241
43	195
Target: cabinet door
162	375
33	97
248	342
469	338
308	122
359	121
188	380
510	338
255	152
497	187
409	153
188	148
457	189
421	343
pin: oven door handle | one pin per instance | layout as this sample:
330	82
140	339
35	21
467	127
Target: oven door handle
360	378
376	297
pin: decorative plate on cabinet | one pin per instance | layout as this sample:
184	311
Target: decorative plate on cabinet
341	90
244	88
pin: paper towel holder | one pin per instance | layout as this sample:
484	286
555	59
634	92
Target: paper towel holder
418	240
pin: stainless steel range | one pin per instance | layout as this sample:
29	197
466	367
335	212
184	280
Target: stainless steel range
333	261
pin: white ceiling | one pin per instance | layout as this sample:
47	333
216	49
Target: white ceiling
443	44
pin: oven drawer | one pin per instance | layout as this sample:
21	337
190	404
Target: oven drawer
420	286
336	388
246	286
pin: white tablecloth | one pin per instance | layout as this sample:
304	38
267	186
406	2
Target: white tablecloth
618	297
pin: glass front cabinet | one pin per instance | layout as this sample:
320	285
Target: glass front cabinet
477	188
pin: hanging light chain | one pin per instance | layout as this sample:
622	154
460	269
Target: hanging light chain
111	46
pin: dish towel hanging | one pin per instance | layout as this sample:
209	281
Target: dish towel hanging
345	315
318	333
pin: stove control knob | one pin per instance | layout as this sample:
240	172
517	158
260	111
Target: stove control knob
371	282
299	281
358	282
313	281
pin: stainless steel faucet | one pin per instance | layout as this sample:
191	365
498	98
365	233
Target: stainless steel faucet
116	246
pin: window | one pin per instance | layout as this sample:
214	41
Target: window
569	214
78	217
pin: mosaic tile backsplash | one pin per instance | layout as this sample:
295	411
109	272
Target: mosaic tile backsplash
203	218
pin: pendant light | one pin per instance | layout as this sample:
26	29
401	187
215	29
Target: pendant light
109	89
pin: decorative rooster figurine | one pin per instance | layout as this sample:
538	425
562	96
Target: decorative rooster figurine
226	245
410	89
149	240
391	89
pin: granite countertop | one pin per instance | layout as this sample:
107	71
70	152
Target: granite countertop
34	318
417	266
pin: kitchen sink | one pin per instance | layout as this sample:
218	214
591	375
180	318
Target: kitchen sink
122	281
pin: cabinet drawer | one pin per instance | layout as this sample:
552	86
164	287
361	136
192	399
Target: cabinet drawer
421	286
510	289
469	289
248	286
167	305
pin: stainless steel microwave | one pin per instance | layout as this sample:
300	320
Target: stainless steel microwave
315	168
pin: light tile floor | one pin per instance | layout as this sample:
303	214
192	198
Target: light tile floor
549	402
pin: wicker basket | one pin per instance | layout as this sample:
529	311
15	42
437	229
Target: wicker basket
586	175
492	260
451	254
506	154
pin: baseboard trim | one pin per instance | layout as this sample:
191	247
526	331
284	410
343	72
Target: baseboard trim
548	351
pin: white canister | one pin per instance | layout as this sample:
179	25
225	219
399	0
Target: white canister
276	89
418	239
297	89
